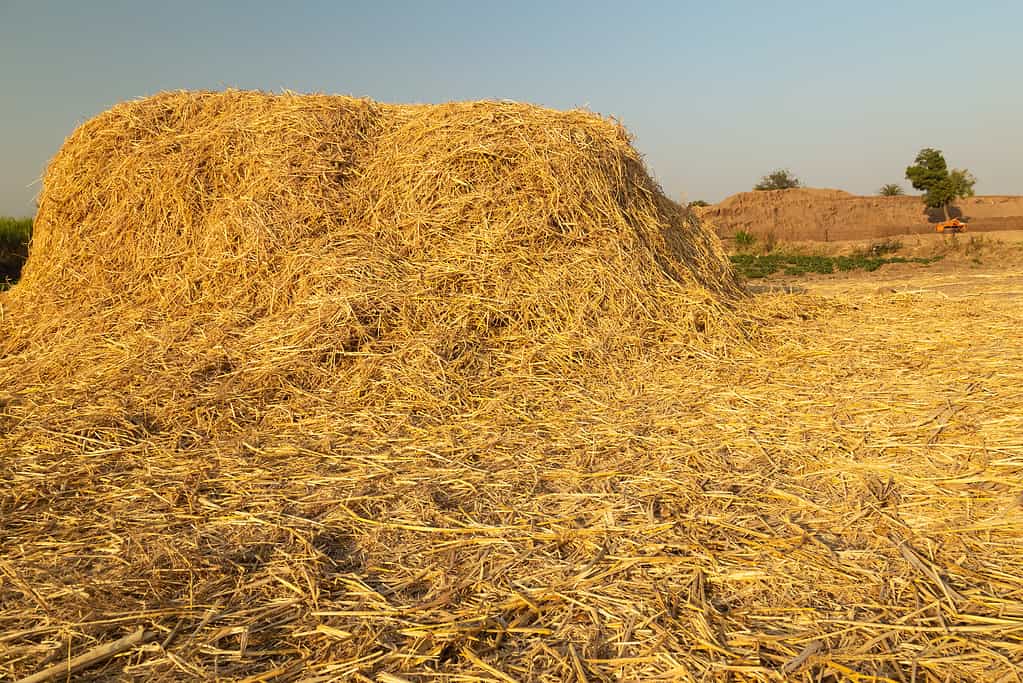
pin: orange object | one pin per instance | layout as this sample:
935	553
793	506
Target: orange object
953	226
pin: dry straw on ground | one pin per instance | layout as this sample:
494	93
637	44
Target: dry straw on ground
315	388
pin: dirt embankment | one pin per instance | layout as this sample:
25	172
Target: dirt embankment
826	215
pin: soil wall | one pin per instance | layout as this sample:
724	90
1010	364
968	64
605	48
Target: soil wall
824	215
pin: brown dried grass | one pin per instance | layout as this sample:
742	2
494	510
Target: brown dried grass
322	389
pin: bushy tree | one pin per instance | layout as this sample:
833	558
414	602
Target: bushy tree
891	190
782	179
698	202
941	187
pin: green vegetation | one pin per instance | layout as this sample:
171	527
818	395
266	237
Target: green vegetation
782	179
14	232
762	265
744	240
14	236
891	190
698	202
941	187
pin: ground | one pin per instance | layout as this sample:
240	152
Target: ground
840	499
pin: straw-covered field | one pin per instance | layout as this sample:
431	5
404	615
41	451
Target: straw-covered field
309	388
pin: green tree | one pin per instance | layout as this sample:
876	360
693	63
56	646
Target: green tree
782	179
891	190
960	183
698	202
941	187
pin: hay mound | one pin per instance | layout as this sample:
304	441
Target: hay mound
350	226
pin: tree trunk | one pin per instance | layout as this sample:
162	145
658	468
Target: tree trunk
945	207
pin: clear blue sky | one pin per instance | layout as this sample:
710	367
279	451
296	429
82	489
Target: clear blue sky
717	93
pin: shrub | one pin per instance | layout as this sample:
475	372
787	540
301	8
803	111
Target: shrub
782	179
15	234
744	239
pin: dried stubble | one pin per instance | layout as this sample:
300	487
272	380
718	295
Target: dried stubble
315	388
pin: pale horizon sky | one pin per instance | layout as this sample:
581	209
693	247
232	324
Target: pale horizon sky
716	94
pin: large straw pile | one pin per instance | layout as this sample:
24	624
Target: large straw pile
314	388
370	226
